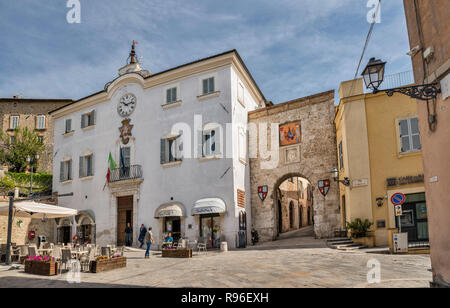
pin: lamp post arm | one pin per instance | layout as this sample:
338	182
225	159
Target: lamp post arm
422	92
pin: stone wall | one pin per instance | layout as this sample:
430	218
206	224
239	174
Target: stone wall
20	234
27	110
312	159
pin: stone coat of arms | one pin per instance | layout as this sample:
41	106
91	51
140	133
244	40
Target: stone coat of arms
125	131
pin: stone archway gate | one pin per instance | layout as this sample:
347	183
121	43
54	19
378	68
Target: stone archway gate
311	158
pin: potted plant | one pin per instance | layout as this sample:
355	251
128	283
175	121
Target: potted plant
39	265
103	263
360	233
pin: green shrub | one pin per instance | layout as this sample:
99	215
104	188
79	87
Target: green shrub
359	228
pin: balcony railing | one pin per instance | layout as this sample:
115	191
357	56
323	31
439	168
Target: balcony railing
395	81
127	173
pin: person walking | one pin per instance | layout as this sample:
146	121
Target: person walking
148	241
128	234
142	233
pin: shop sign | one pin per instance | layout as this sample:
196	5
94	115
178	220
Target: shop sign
406	180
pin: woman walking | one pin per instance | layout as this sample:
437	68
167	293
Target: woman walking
148	241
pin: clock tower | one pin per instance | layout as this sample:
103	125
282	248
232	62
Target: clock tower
133	65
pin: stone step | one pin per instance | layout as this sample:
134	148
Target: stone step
353	246
336	239
335	244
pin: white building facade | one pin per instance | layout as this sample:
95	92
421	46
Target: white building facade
179	142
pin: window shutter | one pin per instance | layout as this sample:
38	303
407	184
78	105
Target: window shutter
217	135
404	135
92	165
174	94
69	167
92	118
179	147
163	151
83	120
205	86
61	171
168	100
211	85
81	167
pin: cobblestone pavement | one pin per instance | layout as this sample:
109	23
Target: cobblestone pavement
290	262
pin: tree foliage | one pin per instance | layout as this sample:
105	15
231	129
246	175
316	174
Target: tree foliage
14	153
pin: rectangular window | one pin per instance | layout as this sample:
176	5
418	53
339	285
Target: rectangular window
208	85
86	166
171	149
88	119
68	126
409	135
14	122
41	139
341	157
65	171
40	122
126	152
171	95
209	143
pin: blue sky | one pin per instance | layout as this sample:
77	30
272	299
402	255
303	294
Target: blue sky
293	48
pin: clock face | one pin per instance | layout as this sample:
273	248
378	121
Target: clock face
127	104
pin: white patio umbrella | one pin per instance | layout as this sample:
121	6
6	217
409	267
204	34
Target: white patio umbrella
37	210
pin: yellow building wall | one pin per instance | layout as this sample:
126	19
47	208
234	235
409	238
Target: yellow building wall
367	125
383	113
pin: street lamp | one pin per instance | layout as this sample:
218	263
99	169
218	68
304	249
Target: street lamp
373	75
31	174
335	175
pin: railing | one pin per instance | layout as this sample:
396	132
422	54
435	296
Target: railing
395	81
127	173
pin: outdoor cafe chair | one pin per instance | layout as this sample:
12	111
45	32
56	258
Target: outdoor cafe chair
202	247
66	256
106	251
86	259
56	253
32	251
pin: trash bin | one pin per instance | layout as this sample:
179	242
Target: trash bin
223	246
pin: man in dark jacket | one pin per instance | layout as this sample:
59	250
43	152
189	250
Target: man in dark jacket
129	235
142	233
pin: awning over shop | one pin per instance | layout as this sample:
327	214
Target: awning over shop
37	210
209	206
172	209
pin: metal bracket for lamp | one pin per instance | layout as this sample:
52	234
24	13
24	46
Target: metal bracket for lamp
345	181
422	92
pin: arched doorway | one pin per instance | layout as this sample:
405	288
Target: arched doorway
292	194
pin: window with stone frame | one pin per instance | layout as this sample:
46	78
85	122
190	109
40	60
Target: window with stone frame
88	119
68	127
86	166
171	149
14	122
171	95
65	171
40	122
409	135
208	85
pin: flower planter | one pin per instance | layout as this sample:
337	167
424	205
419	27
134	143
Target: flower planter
107	264
177	253
45	268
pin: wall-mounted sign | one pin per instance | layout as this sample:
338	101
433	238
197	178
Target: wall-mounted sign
324	187
398	199
290	134
398	210
360	182
405	180
262	192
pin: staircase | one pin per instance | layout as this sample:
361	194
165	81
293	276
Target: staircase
344	243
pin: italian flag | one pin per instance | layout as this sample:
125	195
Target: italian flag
111	166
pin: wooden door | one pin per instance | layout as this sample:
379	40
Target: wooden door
124	216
